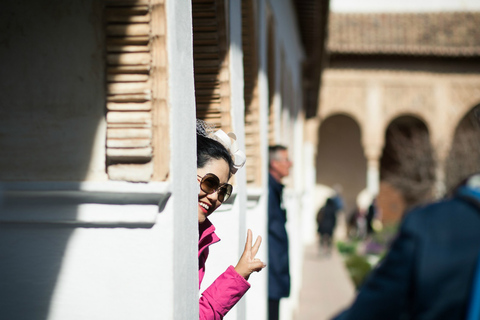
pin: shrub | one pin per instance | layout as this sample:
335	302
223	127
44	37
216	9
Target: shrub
358	267
347	248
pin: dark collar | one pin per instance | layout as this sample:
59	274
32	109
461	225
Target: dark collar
274	183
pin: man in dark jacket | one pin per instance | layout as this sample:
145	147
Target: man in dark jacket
278	261
428	272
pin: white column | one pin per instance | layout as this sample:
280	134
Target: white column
442	142
373	176
256	297
237	232
374	139
441	134
184	275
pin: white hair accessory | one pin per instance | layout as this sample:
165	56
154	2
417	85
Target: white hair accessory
205	129
229	141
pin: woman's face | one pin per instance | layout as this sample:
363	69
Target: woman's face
207	203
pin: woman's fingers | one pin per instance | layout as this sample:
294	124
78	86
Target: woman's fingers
248	243
256	246
250	251
248	263
257	265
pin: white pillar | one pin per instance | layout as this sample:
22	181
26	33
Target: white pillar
184	276
373	138
373	176
442	130
238	231
256	298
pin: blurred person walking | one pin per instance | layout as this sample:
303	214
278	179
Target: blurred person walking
372	214
326	222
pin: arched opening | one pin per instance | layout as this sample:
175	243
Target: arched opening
340	158
464	156
407	167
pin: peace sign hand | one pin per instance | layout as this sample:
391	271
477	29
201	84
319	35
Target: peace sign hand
248	263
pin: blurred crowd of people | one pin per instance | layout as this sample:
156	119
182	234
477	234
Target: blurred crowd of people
361	224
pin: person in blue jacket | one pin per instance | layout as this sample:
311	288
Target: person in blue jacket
429	270
278	271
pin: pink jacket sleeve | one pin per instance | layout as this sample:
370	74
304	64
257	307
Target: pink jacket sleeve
222	295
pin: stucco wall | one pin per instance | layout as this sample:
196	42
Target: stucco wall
79	249
52	84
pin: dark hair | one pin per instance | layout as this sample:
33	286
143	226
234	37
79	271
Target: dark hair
208	149
272	151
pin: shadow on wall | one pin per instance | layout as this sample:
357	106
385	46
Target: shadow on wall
52	89
52	104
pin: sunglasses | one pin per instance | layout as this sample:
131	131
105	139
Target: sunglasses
210	184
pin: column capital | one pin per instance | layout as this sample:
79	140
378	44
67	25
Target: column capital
373	152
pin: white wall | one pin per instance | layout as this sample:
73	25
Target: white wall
403	6
115	272
85	250
82	250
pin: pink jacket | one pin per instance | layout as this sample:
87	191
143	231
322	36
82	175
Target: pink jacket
226	290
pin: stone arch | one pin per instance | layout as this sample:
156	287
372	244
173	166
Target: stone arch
418	114
355	116
407	164
465	111
340	156
463	97
446	122
464	155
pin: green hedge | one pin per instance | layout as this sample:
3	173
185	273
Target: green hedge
358	267
346	248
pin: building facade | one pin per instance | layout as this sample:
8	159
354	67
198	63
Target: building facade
388	68
97	132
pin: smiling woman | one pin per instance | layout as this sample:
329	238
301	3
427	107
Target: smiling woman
217	161
213	186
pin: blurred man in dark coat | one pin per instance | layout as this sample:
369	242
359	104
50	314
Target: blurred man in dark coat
326	222
428	272
278	261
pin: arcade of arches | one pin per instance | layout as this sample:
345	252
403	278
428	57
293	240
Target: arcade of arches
405	137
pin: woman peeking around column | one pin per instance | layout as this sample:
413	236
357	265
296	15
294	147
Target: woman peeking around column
217	160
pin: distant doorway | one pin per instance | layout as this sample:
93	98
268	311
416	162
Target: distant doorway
340	158
407	162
